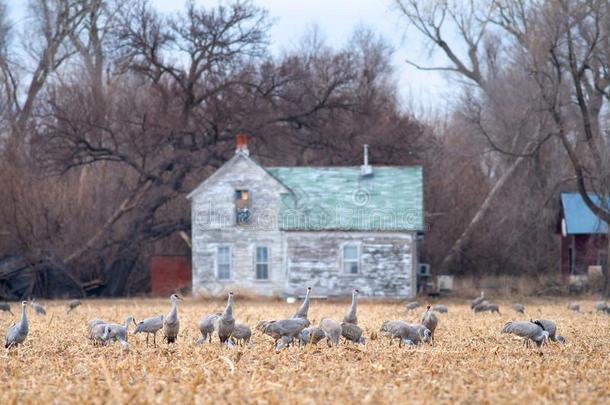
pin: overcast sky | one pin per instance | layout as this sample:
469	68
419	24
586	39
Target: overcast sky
336	19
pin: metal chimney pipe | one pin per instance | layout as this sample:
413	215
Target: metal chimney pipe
366	154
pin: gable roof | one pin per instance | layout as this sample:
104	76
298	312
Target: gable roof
579	218
339	198
226	166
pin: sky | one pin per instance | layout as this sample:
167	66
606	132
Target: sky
336	20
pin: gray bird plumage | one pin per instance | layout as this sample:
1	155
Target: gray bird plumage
6	307
171	323
486	306
226	322
72	305
207	326
241	334
406	333
602	306
550	327
116	333
150	325
96	329
440	309
430	321
312	335
352	332
18	332
304	308
288	328
412	305
572	306
39	309
527	331
477	300
350	316
519	308
332	330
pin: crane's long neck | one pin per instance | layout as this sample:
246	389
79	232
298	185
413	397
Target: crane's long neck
228	313
127	322
173	313
24	318
305	305
352	310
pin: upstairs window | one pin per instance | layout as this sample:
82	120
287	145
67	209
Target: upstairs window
242	207
351	260
262	263
223	262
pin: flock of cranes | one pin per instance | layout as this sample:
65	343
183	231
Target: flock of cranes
297	328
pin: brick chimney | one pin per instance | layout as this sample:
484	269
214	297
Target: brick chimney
241	144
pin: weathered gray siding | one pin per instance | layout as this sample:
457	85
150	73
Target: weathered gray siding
213	219
386	263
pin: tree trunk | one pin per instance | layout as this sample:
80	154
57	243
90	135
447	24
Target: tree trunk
606	268
459	244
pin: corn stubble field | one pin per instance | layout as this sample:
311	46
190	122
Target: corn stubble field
470	361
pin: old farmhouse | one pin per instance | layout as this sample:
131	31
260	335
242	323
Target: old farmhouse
276	230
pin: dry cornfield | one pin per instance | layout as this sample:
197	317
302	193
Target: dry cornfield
470	361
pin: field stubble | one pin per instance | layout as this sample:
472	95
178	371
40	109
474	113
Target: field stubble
470	361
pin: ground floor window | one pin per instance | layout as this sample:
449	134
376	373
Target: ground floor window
351	260
223	262
262	263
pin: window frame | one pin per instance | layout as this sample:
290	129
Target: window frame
256	263
357	260
218	264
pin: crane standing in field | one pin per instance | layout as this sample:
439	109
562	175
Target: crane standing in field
519	308
332	330
171	323
206	327
430	321
39	309
113	331
226	322
440	309
96	329
352	332
285	329
17	333
550	327
478	300
241	334
150	325
350	316
304	308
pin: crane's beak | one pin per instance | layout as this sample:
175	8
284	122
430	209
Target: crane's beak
134	321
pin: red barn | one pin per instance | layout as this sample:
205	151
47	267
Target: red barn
583	236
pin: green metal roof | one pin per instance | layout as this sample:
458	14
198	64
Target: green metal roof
339	198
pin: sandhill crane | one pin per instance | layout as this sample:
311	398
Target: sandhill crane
96	331
602	306
117	331
350	316
406	333
282	342
73	304
150	325
288	328
430	321
207	326
519	308
412	305
39	309
241	333
478	300
440	309
332	330
550	327
17	333
304	308
171	323
111	331
226	323
527	331
486	306
352	332
574	307
313	335
6	307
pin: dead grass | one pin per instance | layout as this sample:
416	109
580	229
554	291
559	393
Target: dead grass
471	361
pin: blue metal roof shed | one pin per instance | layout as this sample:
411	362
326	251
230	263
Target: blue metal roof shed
579	219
